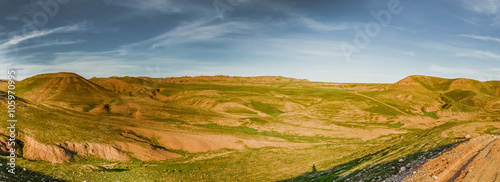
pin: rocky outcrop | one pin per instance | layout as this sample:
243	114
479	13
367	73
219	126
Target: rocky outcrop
38	151
64	152
4	146
104	151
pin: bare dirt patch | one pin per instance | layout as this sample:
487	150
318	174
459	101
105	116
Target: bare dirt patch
203	142
474	160
472	129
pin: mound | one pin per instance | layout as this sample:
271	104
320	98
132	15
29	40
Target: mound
67	88
494	87
132	86
442	84
469	84
114	84
419	82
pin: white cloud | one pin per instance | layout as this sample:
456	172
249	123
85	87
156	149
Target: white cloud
164	6
35	34
478	54
204	30
313	24
489	8
449	70
478	74
465	52
478	37
482	6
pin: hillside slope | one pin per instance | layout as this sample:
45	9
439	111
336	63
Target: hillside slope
63	89
210	126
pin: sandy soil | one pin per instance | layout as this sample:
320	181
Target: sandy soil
475	160
192	141
472	129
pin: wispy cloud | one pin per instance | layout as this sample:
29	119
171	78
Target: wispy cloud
46	44
479	74
465	52
319	26
489	8
36	34
478	54
203	30
474	22
478	37
164	6
483	6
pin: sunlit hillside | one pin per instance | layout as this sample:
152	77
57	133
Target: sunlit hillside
222	128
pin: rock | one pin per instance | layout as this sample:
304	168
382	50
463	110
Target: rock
104	151
34	150
401	160
467	136
403	169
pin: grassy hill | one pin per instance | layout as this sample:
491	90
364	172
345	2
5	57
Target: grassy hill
221	128
63	89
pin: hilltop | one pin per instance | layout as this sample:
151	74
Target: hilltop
63	89
419	82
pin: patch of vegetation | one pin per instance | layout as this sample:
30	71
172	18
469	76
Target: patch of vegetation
258	120
396	125
291	138
384	110
335	89
460	95
240	111
171	120
266	108
381	162
430	114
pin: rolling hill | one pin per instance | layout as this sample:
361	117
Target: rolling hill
63	89
212	128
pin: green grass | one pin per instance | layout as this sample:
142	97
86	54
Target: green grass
380	160
171	120
240	111
366	125
383	110
291	138
396	125
266	108
58	123
431	115
335	89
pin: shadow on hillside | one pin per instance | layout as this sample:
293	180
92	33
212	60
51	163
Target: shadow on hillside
376	172
22	174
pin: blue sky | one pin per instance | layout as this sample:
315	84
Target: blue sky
334	41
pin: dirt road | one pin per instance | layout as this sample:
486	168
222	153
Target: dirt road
475	160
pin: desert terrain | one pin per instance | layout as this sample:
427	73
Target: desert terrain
269	128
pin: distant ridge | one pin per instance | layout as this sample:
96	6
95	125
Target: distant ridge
230	79
419	82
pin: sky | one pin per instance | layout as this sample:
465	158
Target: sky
362	41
